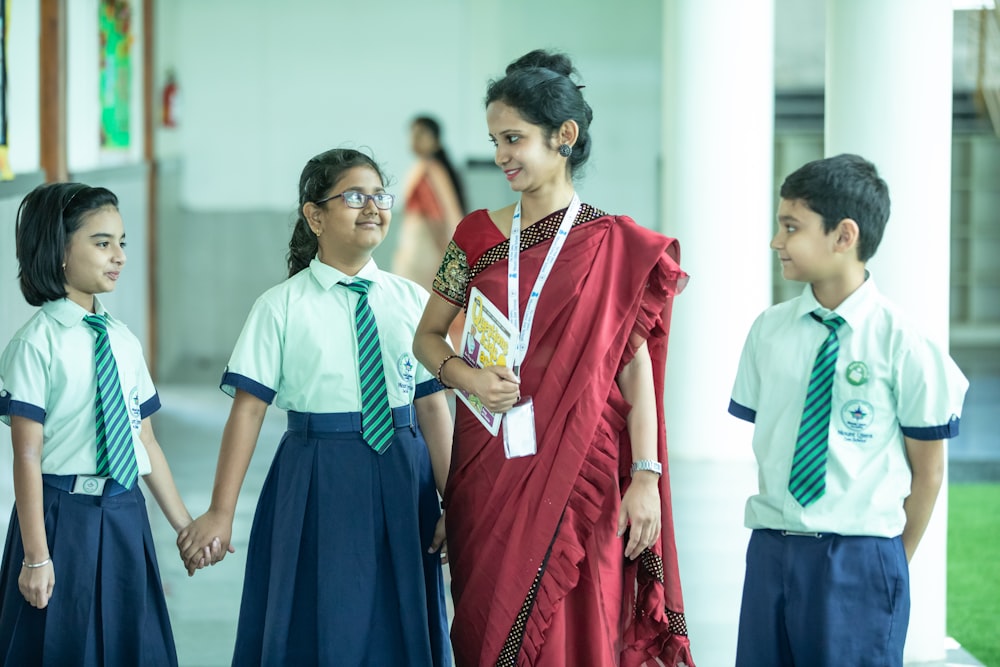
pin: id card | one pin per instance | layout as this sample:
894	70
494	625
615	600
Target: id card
89	486
519	430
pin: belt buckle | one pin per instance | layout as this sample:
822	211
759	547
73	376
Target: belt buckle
89	485
799	533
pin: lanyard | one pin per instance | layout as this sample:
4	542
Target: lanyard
523	335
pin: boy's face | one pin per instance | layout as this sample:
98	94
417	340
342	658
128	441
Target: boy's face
806	250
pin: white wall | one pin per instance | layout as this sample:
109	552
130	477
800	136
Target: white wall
22	87
266	86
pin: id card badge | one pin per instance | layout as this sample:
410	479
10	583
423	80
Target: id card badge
519	430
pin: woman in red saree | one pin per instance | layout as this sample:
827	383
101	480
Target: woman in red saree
565	557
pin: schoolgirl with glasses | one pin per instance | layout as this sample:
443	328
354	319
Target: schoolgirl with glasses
345	551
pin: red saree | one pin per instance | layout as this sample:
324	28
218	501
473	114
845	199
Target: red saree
538	575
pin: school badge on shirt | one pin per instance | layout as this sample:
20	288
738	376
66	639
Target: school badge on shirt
857	416
405	367
134	409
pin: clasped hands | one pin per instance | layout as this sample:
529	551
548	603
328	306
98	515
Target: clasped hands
205	541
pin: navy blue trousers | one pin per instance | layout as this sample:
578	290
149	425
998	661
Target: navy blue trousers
826	601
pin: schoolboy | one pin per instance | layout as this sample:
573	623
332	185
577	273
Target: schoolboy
850	406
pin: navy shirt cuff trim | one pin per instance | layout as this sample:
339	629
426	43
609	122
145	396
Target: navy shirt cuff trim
427	388
742	412
11	408
233	381
150	406
949	430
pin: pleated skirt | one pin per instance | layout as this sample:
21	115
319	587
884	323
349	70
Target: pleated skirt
337	566
107	606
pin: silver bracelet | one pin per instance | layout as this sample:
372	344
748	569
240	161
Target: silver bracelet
646	464
32	566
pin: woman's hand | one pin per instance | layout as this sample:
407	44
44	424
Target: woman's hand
36	584
497	387
439	544
641	510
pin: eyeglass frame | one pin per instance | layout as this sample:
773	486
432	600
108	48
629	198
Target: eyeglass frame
367	198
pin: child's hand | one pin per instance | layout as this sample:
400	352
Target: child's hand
439	543
205	541
36	584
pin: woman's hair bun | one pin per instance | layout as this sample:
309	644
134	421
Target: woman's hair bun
557	62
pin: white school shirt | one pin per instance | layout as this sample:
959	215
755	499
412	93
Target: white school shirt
890	381
48	375
298	347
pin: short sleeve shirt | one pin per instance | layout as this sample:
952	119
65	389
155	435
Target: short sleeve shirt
47	374
298	347
890	382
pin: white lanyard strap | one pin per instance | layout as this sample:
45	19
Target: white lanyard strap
523	335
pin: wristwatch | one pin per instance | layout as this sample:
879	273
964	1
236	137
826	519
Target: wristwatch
645	464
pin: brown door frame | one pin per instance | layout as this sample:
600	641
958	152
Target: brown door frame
52	89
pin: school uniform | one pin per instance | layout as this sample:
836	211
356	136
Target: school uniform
107	606
337	566
828	584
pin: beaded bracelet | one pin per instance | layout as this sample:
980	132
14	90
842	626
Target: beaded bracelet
32	566
441	368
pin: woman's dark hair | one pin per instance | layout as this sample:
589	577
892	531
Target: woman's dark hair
539	86
46	220
319	175
432	126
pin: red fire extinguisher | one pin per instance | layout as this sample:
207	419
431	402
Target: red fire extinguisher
170	100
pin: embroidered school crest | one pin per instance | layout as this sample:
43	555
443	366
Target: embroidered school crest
405	367
857	373
134	409
857	415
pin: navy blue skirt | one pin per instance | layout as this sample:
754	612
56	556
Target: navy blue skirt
107	607
337	566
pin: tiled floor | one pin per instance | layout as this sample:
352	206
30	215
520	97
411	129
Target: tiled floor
711	538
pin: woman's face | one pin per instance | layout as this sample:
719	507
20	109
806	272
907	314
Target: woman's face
528	157
422	140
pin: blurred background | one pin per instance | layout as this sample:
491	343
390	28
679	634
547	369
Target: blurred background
200	115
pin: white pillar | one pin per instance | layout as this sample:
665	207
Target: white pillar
889	98
718	194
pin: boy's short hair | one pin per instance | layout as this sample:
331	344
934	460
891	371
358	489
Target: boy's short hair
47	219
843	186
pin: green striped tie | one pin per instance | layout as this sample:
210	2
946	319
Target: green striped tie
807	481
115	454
376	417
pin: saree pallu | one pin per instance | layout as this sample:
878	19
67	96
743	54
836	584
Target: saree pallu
539	576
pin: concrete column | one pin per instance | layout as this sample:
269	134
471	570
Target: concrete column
718	194
889	98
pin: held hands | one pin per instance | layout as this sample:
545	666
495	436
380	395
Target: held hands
36	584
497	387
641	510
197	548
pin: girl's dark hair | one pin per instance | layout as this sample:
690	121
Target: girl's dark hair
319	175
46	220
539	86
441	156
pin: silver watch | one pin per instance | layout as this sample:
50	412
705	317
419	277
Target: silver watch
645	464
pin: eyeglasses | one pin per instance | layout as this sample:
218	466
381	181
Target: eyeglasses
383	200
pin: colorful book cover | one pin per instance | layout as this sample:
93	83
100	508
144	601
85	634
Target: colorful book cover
486	341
